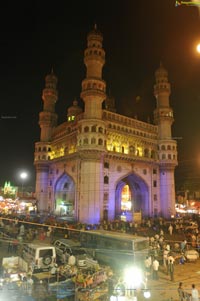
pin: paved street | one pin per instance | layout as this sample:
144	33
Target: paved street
164	289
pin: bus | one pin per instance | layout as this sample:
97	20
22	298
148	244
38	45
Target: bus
115	248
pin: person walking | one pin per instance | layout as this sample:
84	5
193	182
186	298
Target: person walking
194	293
147	264
155	266
165	258
183	245
171	270
181	292
170	229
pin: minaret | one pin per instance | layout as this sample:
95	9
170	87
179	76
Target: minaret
93	86
92	132
48	118
167	146
47	122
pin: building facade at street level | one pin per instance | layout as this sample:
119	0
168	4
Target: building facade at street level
99	164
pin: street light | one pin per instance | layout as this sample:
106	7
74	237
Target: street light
23	176
133	278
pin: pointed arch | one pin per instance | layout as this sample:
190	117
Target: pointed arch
64	191
139	194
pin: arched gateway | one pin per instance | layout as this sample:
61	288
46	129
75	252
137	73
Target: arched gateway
132	195
95	145
65	195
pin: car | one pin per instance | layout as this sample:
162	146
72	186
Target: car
191	255
41	257
64	245
71	247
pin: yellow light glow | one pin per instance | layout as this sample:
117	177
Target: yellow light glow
198	48
61	151
126	204
133	277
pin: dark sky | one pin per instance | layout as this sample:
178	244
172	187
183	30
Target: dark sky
38	35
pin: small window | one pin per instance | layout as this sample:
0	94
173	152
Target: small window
132	149
146	153
86	129
85	141
154	171
106	165
106	180
93	141
46	252
154	183
100	142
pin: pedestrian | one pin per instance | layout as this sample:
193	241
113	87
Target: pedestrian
21	230
170	257
161	232
71	260
171	270
183	245
181	292
170	229
155	266
147	264
182	259
165	257
54	269
194	293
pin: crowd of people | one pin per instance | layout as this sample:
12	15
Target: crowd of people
168	239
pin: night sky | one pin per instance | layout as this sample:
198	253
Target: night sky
34	37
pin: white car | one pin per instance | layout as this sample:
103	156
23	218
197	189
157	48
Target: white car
191	255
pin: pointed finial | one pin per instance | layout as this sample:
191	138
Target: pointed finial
75	102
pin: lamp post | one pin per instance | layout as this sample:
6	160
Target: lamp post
23	176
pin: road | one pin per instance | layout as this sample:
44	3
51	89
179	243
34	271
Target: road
162	289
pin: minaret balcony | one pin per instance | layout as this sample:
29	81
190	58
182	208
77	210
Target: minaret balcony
93	93
94	58
50	92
